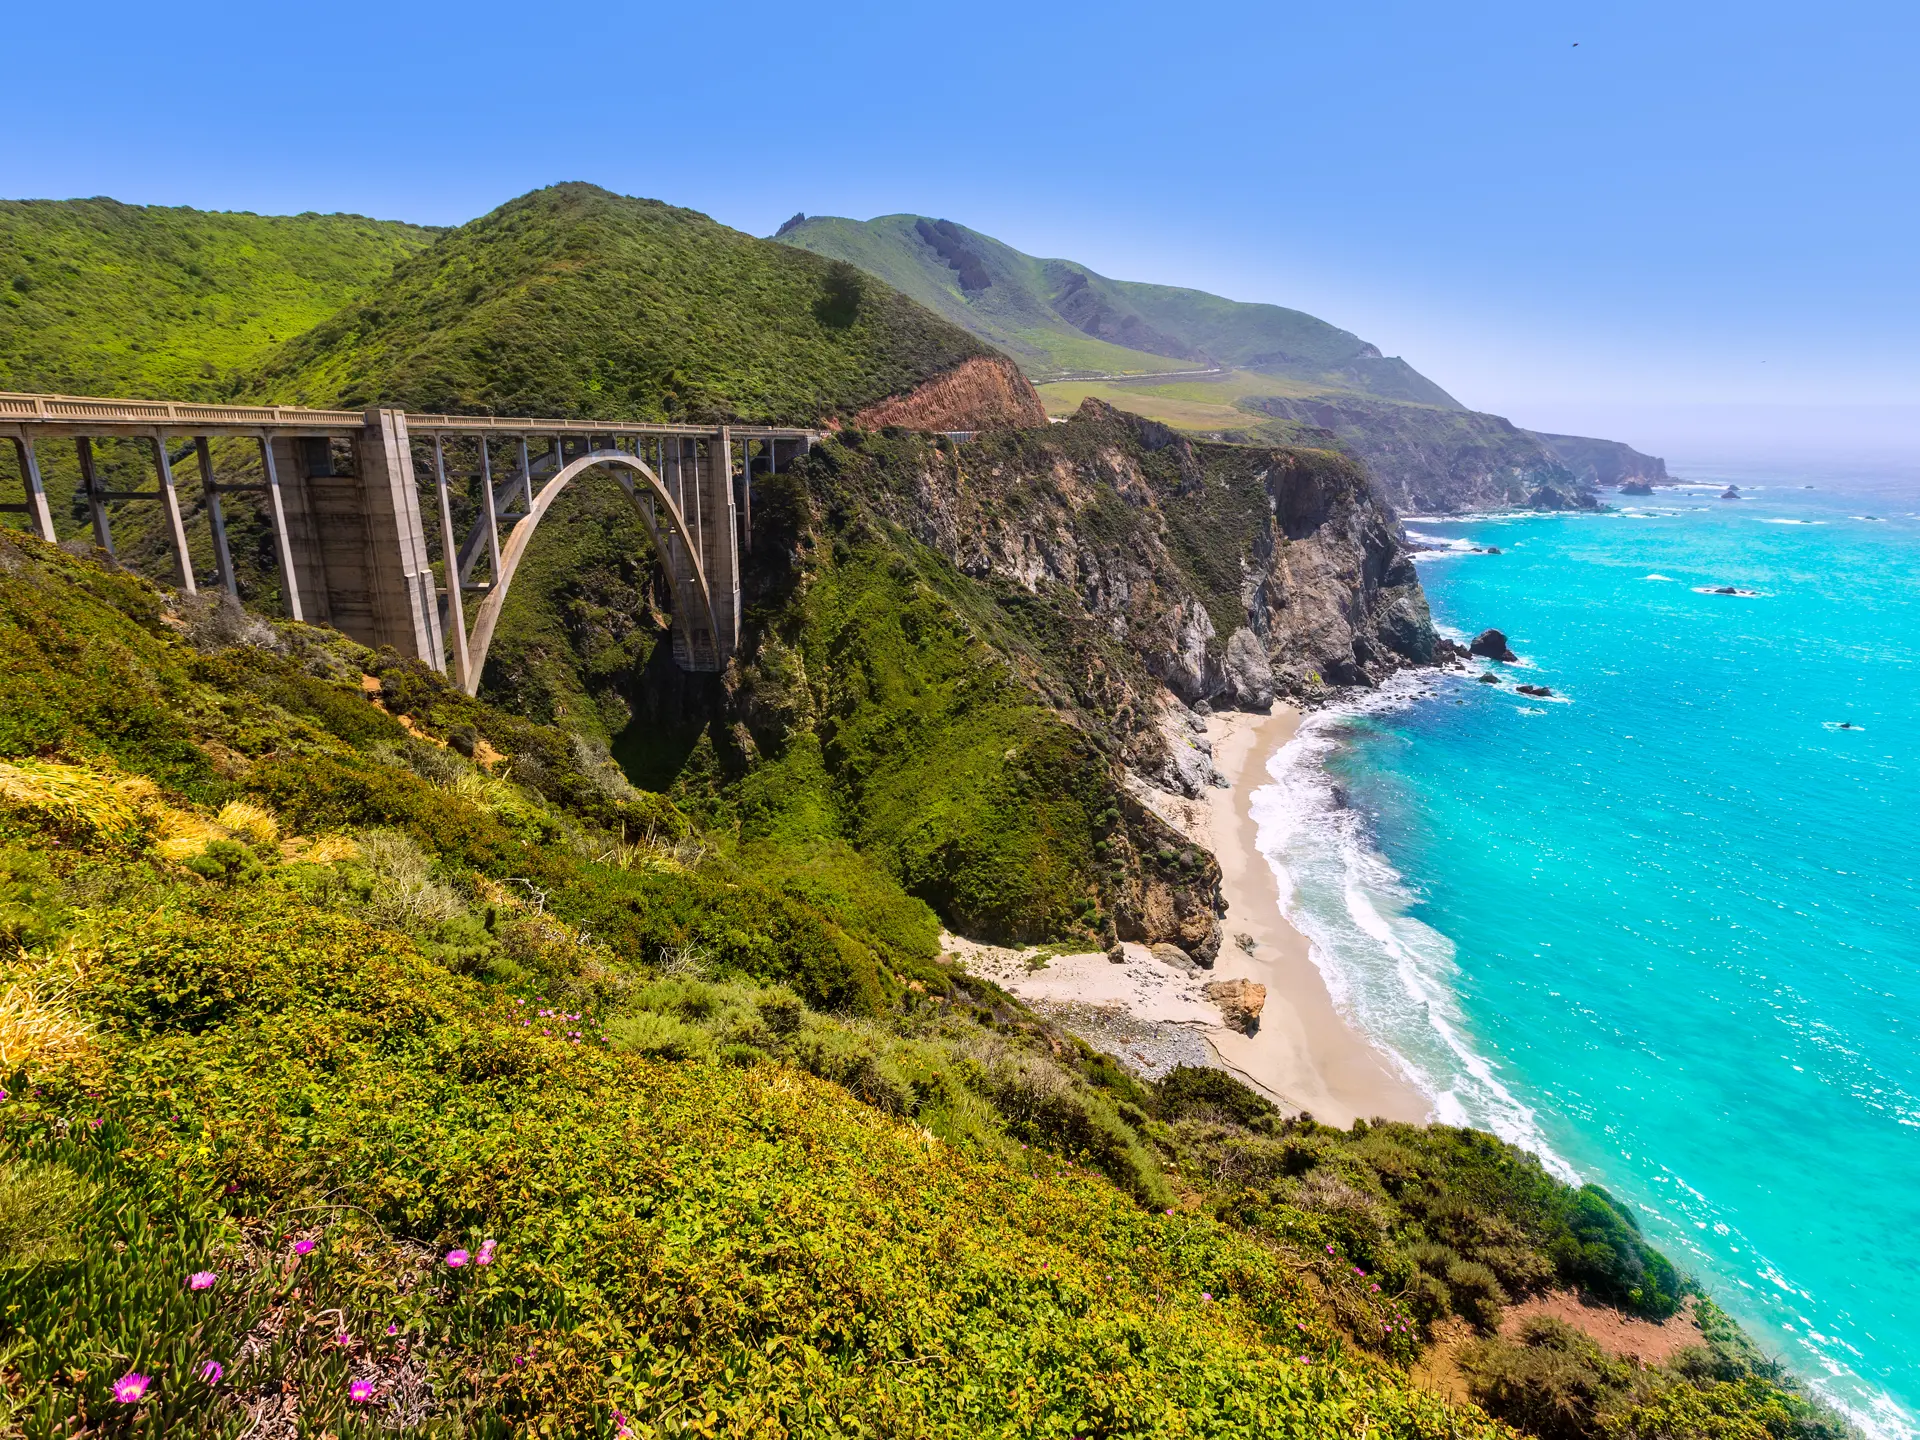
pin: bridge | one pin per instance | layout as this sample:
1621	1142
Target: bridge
341	494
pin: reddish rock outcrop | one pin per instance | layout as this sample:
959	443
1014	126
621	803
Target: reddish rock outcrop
984	393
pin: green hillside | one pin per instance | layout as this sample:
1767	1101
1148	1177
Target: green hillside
575	301
100	298
355	1079
1057	317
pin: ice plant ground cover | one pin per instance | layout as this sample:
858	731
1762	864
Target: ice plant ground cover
754	1183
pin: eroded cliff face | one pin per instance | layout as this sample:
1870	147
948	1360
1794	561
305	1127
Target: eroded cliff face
984	393
1232	574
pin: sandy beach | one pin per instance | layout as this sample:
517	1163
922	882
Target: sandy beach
1153	1015
1304	1054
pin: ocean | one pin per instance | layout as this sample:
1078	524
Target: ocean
1662	928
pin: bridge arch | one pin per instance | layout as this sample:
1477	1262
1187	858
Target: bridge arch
682	560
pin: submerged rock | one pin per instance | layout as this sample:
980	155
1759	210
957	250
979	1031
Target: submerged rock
1240	1002
1493	645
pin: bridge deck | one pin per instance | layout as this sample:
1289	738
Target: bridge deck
91	415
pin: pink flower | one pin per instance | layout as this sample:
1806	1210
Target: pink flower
393	1329
519	1360
1329	1249
360	1392
1206	1295
1374	1288
485	1257
200	1280
4	1095
456	1258
303	1247
131	1388
211	1372
343	1341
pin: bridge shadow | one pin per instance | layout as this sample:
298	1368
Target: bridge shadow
672	711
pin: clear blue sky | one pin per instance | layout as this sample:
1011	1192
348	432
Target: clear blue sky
1700	204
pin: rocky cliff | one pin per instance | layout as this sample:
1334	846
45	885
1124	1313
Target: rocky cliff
1607	464
972	656
1428	460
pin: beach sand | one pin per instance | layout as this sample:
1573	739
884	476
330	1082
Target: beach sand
1304	1055
1153	1016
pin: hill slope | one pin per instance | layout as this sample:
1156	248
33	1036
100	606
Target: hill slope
100	298
467	1118
1058	317
1278	375
575	301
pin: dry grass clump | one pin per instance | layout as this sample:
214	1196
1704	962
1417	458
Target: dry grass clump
98	807
38	1028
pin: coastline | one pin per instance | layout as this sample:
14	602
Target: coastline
1152	1015
1304	1054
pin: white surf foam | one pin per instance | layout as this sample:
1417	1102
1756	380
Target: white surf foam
1388	973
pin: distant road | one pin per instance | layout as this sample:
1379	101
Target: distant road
1152	376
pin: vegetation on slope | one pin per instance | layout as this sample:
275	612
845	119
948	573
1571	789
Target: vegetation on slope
1057	316
573	301
100	298
356	1080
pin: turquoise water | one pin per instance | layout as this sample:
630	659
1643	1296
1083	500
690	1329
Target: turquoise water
1665	927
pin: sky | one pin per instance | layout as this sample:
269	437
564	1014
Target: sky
1692	220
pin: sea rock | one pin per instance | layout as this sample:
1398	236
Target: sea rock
1240	1002
1169	954
1636	487
1493	645
1487	677
1448	652
1494	550
1732	492
1249	672
1542	691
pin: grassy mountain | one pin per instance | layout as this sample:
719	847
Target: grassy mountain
1057	317
1278	376
426	1078
100	298
575	301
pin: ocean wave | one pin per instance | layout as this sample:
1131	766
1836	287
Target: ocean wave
1388	974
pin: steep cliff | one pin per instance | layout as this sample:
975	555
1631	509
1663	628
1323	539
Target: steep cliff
1605	463
1430	460
967	658
984	393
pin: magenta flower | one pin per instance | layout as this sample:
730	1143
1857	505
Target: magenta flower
4	1095
456	1258
201	1280
485	1257
303	1247
131	1388
212	1372
393	1329
343	1341
1206	1295
360	1392
1329	1249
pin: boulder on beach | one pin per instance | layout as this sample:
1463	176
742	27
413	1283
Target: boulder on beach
1172	955
1492	644
1240	1002
1249	671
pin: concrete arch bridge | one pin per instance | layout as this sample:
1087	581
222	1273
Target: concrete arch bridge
342	493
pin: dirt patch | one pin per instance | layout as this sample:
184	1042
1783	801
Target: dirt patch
1614	1331
1650	1342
